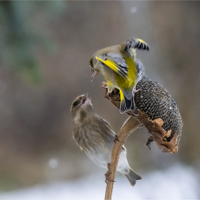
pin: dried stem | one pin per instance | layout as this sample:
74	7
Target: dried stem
129	126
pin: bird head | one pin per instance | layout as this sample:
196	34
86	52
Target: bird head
81	105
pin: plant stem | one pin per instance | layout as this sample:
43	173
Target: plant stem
129	126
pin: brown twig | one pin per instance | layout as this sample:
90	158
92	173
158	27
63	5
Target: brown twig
129	126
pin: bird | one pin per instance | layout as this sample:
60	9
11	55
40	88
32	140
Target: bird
121	69
95	136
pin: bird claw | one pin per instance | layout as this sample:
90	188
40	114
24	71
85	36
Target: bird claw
134	91
116	139
107	175
106	90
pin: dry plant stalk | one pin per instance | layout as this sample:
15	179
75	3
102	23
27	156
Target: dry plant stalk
130	125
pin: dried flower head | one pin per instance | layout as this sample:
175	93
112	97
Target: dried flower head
158	112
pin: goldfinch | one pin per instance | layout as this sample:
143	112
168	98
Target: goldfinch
121	69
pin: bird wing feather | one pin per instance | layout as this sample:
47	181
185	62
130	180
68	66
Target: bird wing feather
115	62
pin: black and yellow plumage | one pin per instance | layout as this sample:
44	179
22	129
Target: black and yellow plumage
121	69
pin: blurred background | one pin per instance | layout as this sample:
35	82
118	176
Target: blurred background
45	47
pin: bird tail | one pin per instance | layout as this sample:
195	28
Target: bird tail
126	104
132	177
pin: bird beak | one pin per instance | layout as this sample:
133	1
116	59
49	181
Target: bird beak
84	98
94	73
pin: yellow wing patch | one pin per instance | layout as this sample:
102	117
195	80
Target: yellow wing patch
115	67
142	41
109	63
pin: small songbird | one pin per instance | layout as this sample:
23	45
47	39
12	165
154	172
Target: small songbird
95	137
121	69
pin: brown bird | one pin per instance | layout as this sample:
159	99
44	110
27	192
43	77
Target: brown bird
95	137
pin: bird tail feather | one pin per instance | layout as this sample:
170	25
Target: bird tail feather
126	104
132	177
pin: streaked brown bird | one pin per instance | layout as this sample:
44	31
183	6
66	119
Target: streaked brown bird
95	137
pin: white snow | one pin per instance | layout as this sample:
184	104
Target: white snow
175	183
53	163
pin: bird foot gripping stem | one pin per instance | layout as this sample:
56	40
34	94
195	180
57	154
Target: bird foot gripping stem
116	139
134	91
107	175
105	87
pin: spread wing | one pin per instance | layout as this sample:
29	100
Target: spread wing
116	62
136	43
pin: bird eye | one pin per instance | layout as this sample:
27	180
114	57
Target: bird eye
75	103
91	63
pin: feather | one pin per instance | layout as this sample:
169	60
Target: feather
115	62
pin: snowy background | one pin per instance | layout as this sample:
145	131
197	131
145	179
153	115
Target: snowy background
176	183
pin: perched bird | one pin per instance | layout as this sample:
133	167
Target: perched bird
95	137
121	69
